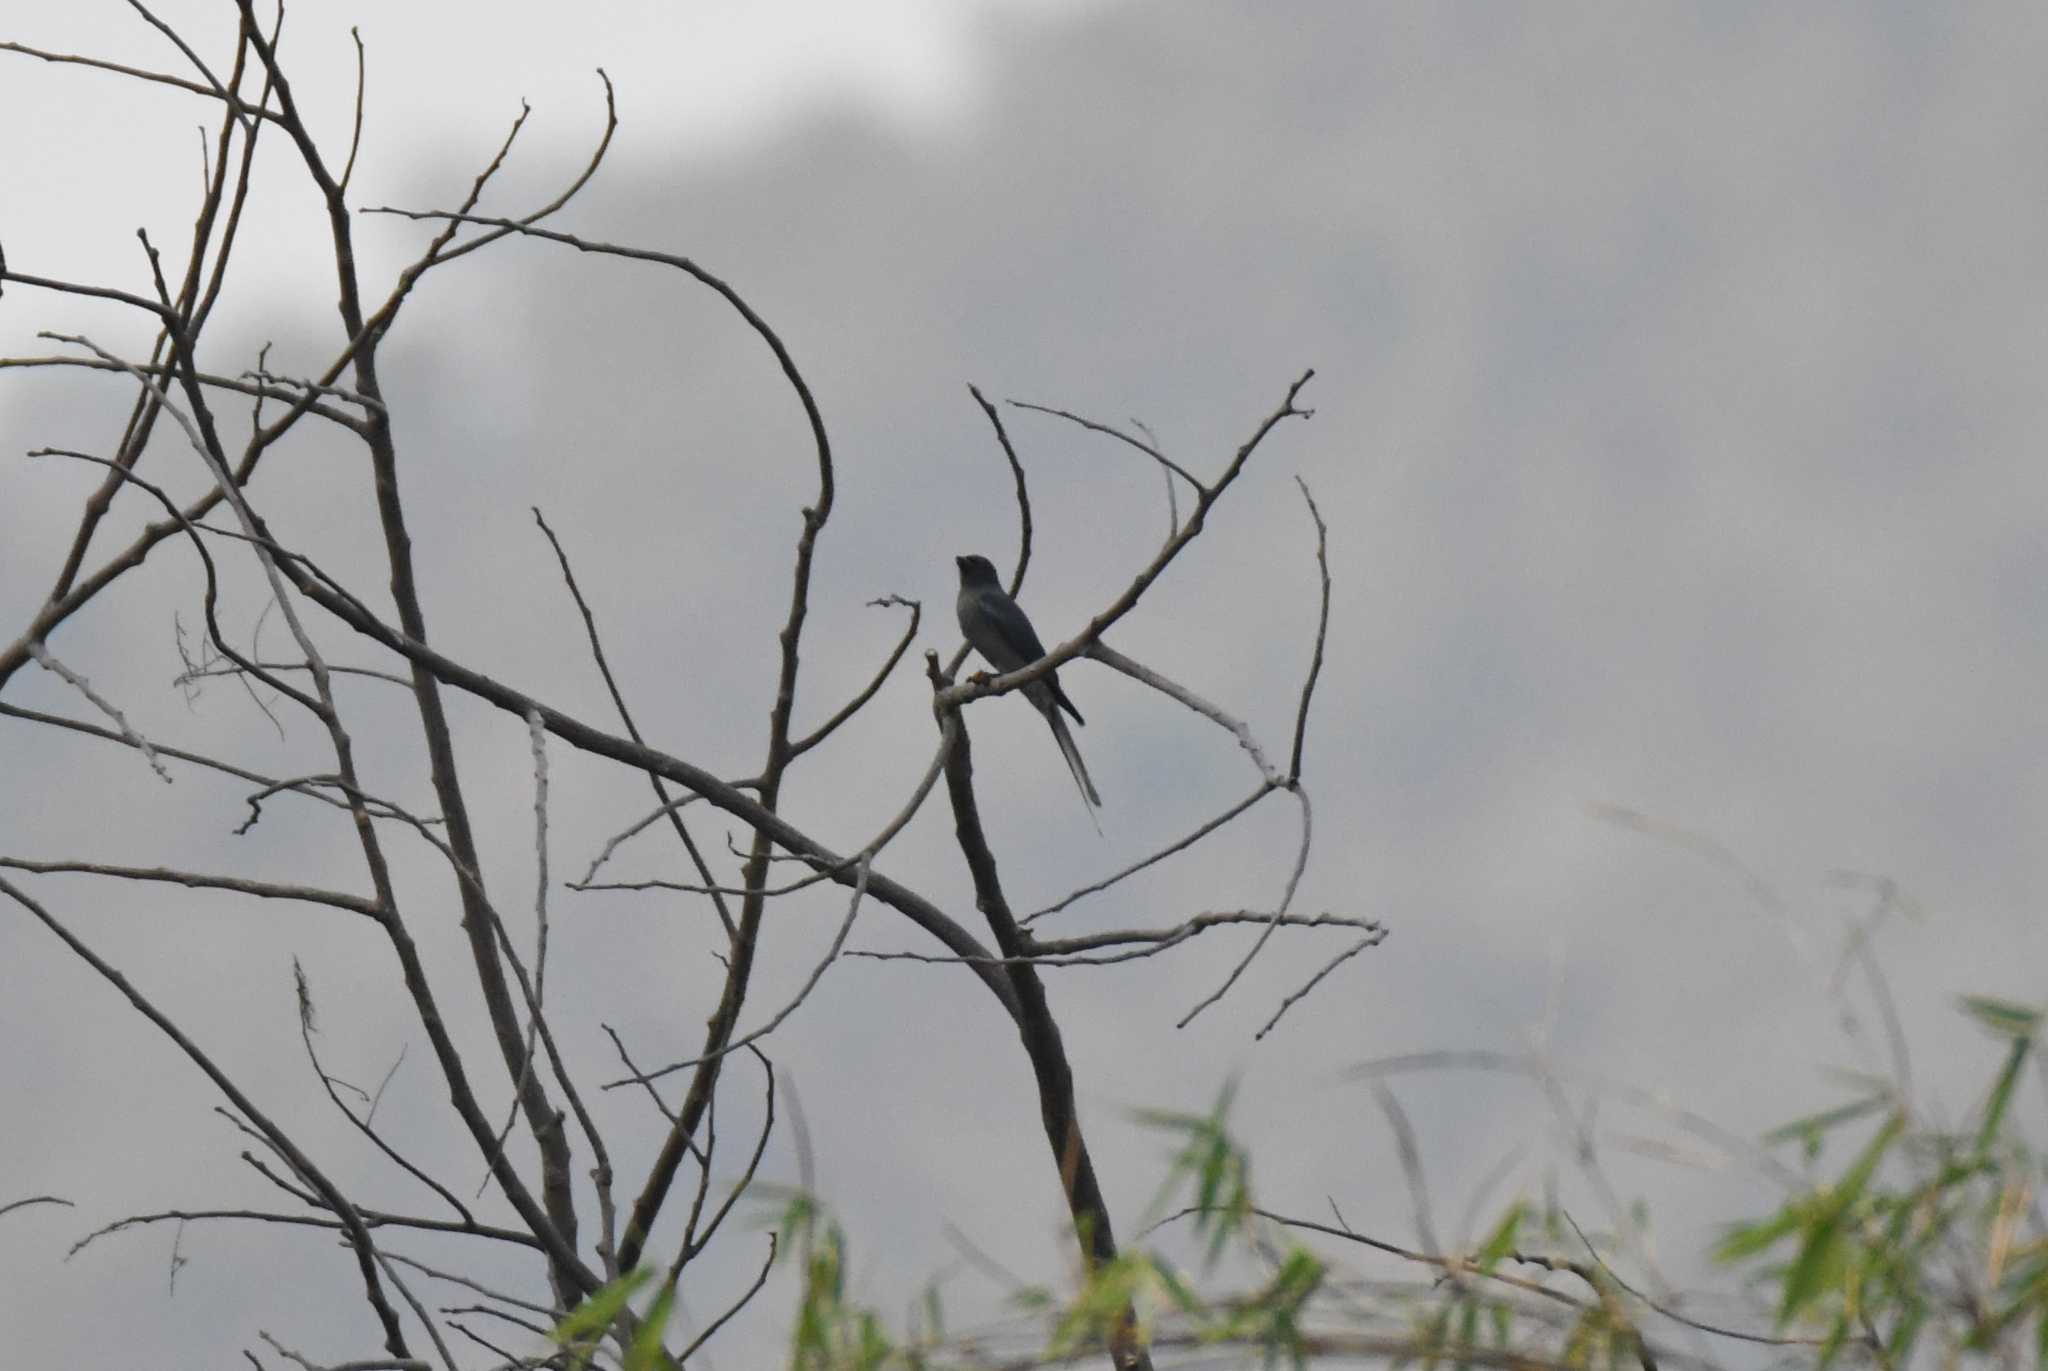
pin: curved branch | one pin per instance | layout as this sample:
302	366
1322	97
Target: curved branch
853	706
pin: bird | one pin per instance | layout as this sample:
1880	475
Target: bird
1000	632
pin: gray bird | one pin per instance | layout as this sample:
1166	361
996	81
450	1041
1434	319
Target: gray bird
999	631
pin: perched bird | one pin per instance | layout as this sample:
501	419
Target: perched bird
999	631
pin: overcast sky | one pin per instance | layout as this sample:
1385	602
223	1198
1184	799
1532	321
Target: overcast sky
1679	392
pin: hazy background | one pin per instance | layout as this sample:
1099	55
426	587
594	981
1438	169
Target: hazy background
1679	378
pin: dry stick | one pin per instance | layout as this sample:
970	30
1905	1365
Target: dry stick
271	785
867	852
249	383
1140	942
775	1021
331	1198
692	1242
1038	1030
528	993
1145	675
611	684
1149	449
507	1359
214	86
355	137
138	74
210	601
853	706
197	306
60	607
543	1119
427	1320
393	1364
1166	479
362	1125
745	1299
1315	665
469	1283
10	1207
537	740
371	1218
49	663
203	673
627	1057
268	890
1294	997
995	420
1161	855
1293	785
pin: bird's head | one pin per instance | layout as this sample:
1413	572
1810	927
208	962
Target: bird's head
976	570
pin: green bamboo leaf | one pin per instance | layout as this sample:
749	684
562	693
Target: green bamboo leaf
2001	1092
1815	1124
1502	1239
647	1350
2003	1017
592	1317
1819	1257
1745	1240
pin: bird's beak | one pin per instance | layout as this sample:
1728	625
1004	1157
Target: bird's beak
960	562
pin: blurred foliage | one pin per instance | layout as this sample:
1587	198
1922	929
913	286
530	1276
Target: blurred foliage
1930	1240
1923	1245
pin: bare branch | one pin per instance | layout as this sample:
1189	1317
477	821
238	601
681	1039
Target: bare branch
43	658
632	729
137	73
1315	666
746	1298
1180	845
351	1222
853	706
13	1205
362	1124
268	890
995	420
860	890
1149	449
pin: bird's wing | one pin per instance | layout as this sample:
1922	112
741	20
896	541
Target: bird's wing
1009	621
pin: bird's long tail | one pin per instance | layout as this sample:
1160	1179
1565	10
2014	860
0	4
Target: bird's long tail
1065	738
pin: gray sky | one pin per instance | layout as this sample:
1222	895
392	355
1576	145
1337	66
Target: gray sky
1677	398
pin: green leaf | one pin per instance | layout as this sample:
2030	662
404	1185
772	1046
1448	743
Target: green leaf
1501	1240
591	1318
1745	1240
647	1350
1810	1272
2003	1017
1813	1125
2001	1092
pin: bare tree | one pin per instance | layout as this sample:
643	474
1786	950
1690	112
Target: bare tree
586	1226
